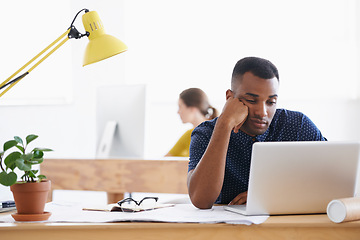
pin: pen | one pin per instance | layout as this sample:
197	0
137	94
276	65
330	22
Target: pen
7	204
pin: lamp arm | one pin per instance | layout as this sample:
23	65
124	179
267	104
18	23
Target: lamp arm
10	83
14	80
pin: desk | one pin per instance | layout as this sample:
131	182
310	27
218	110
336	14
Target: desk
117	176
276	227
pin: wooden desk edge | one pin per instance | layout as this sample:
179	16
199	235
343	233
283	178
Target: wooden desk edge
284	227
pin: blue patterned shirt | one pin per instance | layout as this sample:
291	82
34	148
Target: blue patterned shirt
285	126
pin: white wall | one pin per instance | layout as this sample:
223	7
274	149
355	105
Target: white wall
174	45
315	45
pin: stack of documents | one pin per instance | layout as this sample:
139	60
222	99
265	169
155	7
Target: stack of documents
179	213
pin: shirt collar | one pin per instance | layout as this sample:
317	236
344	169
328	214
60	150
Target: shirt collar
262	137
258	138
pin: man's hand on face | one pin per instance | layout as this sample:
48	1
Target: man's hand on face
235	111
239	199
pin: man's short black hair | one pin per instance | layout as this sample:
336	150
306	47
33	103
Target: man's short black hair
258	66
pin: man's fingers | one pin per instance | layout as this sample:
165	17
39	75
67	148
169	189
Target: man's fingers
239	199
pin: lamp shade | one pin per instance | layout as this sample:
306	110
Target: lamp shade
101	45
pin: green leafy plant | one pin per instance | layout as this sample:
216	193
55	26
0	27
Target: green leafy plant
22	160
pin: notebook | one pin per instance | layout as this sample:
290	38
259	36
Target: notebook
299	177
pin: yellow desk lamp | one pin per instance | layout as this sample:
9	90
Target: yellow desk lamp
100	46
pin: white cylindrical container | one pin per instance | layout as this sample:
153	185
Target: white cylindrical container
345	209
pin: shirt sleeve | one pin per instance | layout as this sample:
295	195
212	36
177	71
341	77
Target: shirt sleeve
200	139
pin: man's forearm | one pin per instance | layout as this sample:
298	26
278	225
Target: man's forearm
206	180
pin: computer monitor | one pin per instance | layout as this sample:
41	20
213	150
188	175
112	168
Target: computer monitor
120	121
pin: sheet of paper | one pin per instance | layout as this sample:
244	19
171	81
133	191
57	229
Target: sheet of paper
114	207
180	213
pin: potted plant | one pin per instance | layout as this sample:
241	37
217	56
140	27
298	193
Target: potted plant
30	193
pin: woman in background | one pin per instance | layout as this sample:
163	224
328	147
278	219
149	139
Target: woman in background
194	108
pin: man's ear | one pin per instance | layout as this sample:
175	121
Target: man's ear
229	94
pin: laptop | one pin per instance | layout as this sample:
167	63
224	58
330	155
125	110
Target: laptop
299	177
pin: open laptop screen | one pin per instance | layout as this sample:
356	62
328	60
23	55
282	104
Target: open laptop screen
300	177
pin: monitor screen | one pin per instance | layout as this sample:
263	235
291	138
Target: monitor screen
120	121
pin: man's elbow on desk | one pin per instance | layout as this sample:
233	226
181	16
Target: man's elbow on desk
200	196
201	204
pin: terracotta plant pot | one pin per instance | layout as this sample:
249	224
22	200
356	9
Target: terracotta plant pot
30	199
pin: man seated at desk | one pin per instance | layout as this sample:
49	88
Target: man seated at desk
220	149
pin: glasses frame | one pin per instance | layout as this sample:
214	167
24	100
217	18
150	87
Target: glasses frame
128	200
